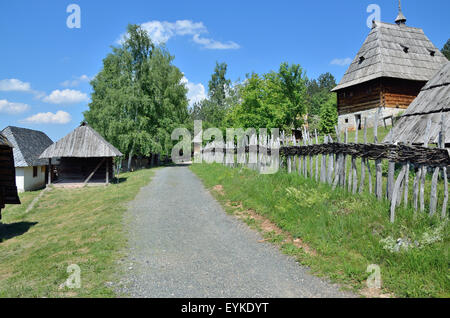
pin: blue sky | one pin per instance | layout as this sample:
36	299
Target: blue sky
45	67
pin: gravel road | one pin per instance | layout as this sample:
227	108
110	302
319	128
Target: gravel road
183	244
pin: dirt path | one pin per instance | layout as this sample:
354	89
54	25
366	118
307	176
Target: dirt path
182	244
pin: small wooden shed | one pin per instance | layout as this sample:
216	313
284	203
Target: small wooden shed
84	157
432	102
8	189
390	69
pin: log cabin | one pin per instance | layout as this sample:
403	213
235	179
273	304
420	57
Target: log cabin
387	74
85	158
28	145
8	189
433	103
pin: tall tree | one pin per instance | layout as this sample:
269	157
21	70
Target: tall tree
220	96
446	49
138	96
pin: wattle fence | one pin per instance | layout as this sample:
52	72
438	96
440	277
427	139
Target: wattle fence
348	165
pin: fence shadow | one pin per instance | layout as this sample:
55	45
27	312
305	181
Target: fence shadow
9	231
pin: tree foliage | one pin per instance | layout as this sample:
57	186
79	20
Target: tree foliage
221	95
138	96
273	100
446	49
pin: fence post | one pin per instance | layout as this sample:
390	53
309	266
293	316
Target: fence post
424	168
323	168
338	165
355	175
395	193
378	167
363	160
317	157
330	163
444	169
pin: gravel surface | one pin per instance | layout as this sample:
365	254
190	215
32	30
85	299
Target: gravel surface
183	244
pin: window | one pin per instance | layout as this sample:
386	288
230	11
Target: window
346	120
35	172
361	59
405	48
432	53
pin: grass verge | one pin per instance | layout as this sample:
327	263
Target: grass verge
67	226
346	233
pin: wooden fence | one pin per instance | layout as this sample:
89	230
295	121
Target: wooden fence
335	163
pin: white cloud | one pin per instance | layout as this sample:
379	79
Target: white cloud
14	85
60	117
67	96
162	31
76	81
341	62
12	108
215	45
196	92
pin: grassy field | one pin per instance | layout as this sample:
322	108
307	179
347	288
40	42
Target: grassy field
67	226
346	233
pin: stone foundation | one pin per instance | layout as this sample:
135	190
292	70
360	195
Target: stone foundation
349	120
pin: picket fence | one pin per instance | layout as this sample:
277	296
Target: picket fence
328	162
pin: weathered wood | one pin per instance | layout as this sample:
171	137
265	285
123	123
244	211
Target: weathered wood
378	179
107	171
408	166
444	204
323	168
49	172
344	162
363	161
330	164
317	157
433	193
424	168
396	192
416	187
390	180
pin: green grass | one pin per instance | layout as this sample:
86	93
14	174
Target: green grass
345	230
67	226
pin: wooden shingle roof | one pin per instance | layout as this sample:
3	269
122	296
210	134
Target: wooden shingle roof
83	142
395	51
432	102
28	145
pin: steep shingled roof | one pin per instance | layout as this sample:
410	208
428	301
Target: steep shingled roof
83	142
432	102
395	51
28	145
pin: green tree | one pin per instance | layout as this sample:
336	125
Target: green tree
221	95
446	49
138	97
328	115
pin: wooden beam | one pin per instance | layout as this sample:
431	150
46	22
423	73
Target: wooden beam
93	172
49	171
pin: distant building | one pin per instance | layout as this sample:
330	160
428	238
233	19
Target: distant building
86	158
28	145
389	71
8	189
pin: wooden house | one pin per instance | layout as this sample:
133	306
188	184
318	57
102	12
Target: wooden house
84	156
390	69
8	189
28	145
432	102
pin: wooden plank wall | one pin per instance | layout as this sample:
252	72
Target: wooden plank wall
385	92
8	189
